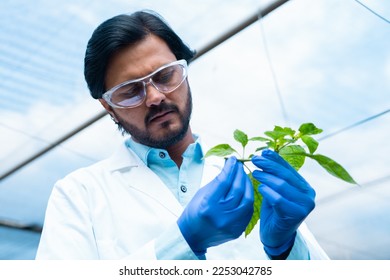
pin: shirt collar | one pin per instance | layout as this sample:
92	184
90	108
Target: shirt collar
147	154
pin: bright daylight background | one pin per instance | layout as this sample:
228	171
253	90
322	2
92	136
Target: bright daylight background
324	61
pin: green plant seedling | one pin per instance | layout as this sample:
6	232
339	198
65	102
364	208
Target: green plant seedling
293	145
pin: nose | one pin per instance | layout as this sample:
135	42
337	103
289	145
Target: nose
153	96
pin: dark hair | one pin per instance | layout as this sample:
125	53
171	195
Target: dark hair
121	31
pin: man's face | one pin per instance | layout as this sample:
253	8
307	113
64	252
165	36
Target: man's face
161	120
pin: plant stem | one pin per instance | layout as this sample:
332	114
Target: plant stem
243	159
249	170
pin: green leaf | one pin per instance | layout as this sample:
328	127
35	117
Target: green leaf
259	138
221	150
289	131
279	132
333	168
241	137
310	142
256	205
271	145
309	129
282	142
294	155
275	135
269	142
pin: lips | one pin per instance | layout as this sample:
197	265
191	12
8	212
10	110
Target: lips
160	113
159	116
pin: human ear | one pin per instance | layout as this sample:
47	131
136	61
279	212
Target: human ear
108	109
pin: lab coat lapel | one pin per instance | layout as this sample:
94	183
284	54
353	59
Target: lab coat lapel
146	181
138	176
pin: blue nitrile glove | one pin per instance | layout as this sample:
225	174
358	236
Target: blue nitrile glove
287	201
219	211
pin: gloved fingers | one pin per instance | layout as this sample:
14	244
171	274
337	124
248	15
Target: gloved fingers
249	195
224	179
239	205
245	207
241	191
280	170
288	211
285	189
276	201
269	195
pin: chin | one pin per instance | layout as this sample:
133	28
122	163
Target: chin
168	136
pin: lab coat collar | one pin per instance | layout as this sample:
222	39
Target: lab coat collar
123	159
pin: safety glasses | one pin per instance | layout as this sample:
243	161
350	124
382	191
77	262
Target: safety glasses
132	93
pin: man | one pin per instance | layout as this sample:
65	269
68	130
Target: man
157	198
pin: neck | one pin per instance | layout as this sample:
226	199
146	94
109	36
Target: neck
176	151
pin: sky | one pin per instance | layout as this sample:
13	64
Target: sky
326	62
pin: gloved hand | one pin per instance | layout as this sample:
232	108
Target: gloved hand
287	201
220	211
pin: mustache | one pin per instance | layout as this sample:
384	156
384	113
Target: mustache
153	111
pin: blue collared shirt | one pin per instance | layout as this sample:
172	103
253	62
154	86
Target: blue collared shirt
183	182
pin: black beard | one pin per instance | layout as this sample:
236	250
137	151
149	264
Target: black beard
163	142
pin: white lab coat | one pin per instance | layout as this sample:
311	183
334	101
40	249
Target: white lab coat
116	208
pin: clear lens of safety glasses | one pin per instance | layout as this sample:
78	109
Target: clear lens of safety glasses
132	93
